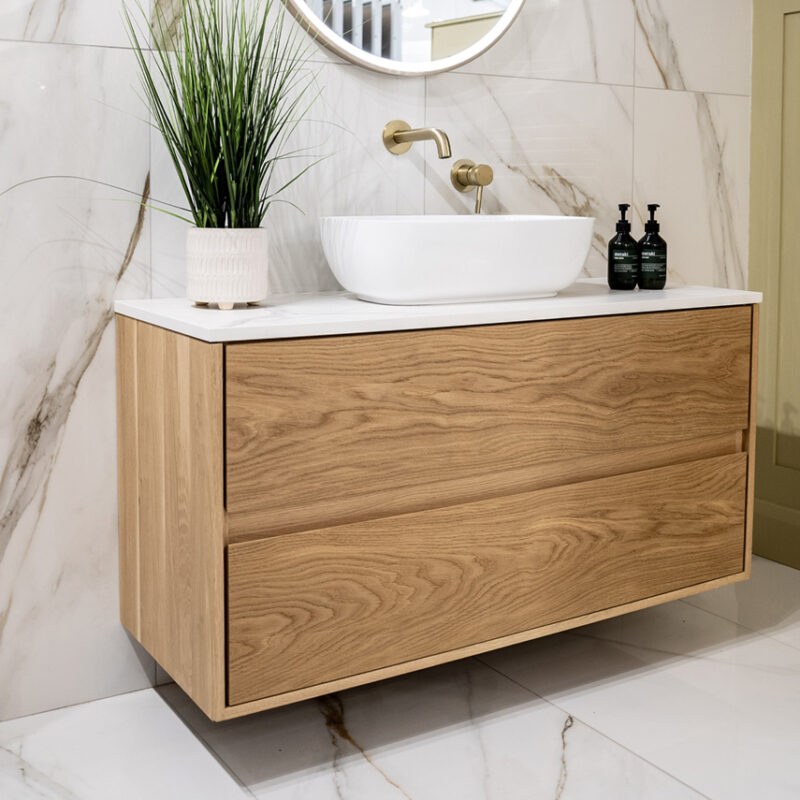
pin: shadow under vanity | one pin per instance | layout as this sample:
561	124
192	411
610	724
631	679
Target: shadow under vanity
323	492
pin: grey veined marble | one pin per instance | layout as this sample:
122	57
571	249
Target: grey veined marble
92	22
69	246
573	40
573	120
457	731
556	148
692	149
693	699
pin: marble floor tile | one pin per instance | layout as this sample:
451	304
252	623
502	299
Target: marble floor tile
768	603
707	700
555	147
130	747
701	46
457	731
700	178
670	702
570	40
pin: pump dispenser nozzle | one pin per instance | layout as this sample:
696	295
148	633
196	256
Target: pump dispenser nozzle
623	256
623	226
653	254
651	226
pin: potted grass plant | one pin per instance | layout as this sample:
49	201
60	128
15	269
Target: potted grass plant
226	84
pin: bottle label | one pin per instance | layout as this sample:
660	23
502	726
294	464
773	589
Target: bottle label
654	263
624	262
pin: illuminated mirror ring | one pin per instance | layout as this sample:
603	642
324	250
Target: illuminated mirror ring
415	37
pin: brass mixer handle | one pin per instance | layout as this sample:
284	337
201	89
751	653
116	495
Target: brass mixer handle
475	175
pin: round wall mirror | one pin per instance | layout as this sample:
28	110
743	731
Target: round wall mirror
407	37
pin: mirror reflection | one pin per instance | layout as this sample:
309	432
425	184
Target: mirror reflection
410	30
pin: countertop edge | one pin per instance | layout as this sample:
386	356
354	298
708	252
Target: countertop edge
421	317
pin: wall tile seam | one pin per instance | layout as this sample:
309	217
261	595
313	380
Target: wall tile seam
77	703
88	45
713	92
537	78
346	64
574	82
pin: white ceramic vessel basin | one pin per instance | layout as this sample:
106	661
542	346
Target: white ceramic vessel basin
419	260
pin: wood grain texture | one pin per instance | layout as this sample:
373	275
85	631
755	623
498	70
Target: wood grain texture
250	525
531	541
176	454
750	442
337	429
318	606
128	476
391	671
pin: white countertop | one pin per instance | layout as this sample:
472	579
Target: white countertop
290	316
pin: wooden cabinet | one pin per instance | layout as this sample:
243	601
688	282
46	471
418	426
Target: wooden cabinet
298	516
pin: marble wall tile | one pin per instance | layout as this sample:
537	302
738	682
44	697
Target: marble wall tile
555	147
357	176
171	11
567	145
457	731
578	40
69	247
701	46
92	22
692	157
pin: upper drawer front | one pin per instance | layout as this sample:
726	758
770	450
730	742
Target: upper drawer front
335	429
312	607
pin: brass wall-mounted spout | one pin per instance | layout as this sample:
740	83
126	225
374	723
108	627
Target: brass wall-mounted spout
398	136
466	175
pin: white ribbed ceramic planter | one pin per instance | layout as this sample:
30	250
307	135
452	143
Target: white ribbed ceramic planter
226	265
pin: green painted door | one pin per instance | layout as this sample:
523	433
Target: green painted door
775	270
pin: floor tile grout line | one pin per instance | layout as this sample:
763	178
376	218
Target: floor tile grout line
91	700
595	730
744	634
202	739
740	624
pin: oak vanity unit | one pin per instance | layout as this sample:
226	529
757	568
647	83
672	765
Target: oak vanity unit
324	492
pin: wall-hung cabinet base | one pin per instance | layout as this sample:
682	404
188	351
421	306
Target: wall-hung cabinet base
302	516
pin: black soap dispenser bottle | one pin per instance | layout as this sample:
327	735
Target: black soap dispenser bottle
623	255
652	254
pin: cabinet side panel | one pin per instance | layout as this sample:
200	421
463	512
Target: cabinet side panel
751	441
180	510
206	534
127	476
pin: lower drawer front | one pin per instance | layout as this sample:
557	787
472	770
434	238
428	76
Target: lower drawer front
315	606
